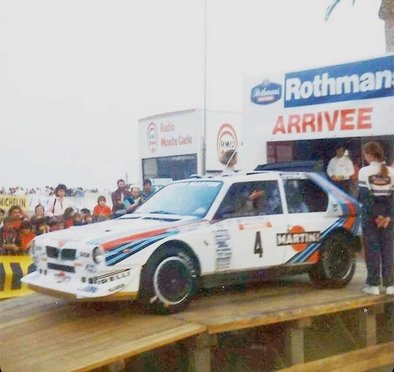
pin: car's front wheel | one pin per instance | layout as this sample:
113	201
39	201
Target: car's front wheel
336	264
168	281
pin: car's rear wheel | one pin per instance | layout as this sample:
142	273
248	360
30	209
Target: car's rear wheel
336	264
168	281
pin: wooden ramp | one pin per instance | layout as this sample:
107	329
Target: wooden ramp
42	333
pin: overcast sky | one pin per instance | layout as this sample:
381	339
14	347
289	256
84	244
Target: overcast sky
75	76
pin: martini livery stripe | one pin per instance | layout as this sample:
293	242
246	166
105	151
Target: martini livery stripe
125	251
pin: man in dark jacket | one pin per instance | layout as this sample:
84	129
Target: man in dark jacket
118	197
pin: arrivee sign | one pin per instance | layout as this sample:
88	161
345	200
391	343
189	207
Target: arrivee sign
348	100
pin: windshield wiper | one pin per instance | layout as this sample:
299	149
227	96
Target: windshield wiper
160	212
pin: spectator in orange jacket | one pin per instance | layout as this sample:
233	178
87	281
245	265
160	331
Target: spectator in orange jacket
101	211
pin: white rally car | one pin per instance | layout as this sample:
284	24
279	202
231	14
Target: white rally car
201	232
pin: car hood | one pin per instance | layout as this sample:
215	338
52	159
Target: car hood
99	233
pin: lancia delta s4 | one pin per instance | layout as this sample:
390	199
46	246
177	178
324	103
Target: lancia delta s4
199	231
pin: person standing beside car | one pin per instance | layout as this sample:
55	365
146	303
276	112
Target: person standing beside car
376	184
340	169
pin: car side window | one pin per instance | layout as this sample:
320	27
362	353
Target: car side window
304	196
251	199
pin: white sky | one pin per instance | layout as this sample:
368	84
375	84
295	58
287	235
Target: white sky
76	75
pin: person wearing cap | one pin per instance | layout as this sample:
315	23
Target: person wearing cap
340	169
59	203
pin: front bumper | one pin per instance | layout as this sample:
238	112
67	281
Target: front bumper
69	286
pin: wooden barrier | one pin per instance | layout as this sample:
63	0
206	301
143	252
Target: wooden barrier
12	268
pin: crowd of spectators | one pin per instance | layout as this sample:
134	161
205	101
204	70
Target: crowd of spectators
17	229
47	190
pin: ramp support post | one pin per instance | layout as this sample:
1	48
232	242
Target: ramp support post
367	324
199	352
294	341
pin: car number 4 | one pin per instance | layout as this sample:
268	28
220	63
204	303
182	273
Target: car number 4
258	247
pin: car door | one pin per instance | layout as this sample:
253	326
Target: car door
307	221
250	218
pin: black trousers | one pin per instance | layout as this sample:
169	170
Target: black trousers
343	185
378	244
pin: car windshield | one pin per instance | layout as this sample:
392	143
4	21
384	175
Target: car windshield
188	198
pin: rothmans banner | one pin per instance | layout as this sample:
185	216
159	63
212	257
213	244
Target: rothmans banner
348	100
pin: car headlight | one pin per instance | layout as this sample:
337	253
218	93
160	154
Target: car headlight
98	255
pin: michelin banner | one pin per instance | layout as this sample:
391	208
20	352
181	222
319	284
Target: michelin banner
347	100
7	201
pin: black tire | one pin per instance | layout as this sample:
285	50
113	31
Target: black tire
168	281
336	265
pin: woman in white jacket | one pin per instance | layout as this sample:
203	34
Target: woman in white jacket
59	203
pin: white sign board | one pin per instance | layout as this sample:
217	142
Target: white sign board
169	134
348	100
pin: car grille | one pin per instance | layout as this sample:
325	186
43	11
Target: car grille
54	266
62	254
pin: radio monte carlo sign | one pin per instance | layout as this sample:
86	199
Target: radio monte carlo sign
347	100
169	134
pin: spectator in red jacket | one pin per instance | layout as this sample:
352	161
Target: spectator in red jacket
101	211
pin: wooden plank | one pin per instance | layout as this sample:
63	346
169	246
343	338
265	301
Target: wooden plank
61	336
354	361
275	303
57	335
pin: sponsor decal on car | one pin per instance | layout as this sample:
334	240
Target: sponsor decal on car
306	243
89	289
62	277
223	249
116	288
255	225
110	277
298	238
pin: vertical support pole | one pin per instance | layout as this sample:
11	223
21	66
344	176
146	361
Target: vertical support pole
294	341
199	352
367	324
